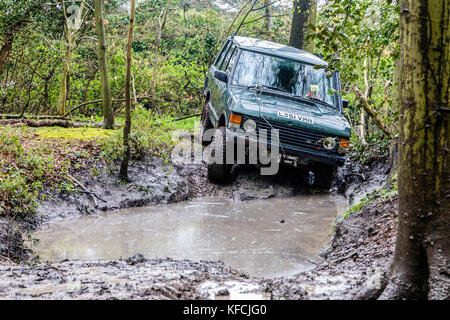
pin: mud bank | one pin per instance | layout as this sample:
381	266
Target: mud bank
12	248
156	183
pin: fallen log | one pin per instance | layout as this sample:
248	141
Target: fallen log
98	101
30	117
50	123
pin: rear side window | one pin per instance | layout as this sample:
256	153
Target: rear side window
222	54
232	59
227	58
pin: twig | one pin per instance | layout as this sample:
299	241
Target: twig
246	15
84	188
93	194
188	117
190	82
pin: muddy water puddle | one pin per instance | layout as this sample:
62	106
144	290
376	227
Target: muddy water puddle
268	238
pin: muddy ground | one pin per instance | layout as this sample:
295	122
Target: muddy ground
355	264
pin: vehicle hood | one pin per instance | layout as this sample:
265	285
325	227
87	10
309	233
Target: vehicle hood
289	111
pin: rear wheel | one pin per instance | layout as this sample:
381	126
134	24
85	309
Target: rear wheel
206	124
323	176
219	171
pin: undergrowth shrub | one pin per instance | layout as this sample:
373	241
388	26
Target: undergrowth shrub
151	134
26	166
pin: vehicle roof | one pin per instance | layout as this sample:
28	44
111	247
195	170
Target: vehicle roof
277	49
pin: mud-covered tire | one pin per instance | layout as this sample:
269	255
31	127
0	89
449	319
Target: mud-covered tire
206	124
323	176
220	172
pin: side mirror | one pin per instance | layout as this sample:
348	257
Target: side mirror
221	76
345	103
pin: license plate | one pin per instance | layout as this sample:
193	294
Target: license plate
296	117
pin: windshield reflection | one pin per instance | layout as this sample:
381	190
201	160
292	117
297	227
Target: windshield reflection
282	74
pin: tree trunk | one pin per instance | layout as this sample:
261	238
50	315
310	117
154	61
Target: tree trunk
421	265
65	80
108	114
5	50
268	9
127	128
71	36
305	12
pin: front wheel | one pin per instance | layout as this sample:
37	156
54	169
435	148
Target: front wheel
218	170
323	176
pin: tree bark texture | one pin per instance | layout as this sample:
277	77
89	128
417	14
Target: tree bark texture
305	12
108	114
421	264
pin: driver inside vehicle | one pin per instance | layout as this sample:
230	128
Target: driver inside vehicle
286	76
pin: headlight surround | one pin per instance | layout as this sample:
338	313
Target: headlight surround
250	126
329	143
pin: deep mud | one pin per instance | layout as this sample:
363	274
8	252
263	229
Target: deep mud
354	268
355	180
136	278
355	262
12	248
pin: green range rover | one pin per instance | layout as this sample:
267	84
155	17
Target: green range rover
255	84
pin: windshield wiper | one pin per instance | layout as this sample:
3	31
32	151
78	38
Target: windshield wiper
268	87
276	88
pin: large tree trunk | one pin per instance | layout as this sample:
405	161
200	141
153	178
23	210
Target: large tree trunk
421	265
108	114
305	12
127	128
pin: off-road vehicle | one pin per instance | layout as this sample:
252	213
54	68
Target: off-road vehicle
256	84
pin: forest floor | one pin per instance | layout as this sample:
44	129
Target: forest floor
355	261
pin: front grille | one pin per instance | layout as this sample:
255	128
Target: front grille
293	137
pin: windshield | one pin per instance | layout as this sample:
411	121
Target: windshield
282	74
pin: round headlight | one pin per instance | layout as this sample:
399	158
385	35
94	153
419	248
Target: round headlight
250	125
329	143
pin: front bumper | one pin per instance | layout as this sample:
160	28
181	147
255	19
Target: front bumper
305	156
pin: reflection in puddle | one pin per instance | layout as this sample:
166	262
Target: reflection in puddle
267	238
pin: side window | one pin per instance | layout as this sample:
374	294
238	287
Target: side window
222	54
227	58
232	59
